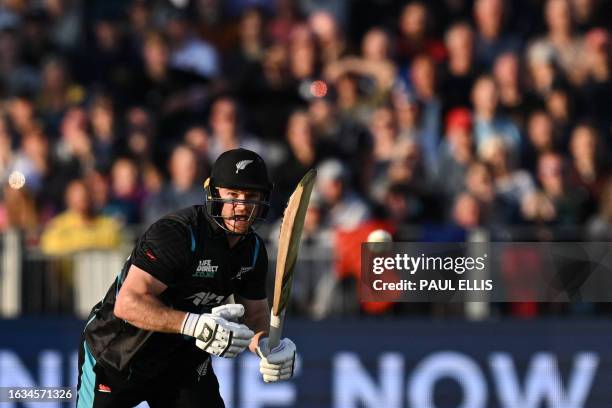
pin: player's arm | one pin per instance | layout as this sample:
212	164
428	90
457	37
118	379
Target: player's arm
256	317
138	303
158	260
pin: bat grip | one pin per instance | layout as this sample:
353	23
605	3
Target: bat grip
276	328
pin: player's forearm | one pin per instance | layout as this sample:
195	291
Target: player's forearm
149	313
260	324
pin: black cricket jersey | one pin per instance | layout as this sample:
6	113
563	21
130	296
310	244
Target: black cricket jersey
191	255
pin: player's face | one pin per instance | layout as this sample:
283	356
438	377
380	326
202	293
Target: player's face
240	214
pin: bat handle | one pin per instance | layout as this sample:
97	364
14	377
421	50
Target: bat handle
276	328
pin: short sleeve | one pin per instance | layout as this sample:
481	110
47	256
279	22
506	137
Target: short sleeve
253	286
163	251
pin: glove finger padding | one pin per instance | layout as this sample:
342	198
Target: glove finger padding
265	364
240	331
279	363
276	371
230	312
216	335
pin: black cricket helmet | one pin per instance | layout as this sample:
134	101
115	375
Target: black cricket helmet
239	169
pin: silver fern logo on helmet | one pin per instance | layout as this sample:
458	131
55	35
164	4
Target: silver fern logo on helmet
241	165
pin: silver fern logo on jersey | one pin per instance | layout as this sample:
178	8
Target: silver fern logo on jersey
241	165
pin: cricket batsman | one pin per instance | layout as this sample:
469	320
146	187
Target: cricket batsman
152	336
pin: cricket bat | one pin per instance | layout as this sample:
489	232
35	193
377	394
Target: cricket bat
288	248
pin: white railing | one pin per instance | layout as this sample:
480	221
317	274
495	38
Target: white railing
34	283
10	274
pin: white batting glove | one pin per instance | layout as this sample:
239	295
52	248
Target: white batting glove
279	363
215	334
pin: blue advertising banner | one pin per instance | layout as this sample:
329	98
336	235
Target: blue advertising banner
372	363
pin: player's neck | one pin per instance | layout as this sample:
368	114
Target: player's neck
233	239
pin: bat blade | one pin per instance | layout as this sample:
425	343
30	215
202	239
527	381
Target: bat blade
288	249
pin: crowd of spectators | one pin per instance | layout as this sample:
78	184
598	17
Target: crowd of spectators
446	114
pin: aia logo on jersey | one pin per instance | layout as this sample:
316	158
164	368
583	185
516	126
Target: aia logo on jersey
205	269
205	298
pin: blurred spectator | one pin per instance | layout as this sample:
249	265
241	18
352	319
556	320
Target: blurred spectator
395	159
139	135
156	83
126	196
467	212
152	179
78	228
57	91
105	62
166	91
99	189
303	59
339	137
182	190
18	210
375	62
425	83
560	202
600	225
104	129
140	22
190	53
585	14
513	101
511	185
480	184
286	17
226	130
405	205
407	111
239	65
538	209
343	208
65	23
541	139
384	133
74	151
597	90
460	70
407	165
32	159
491	39
15	76
20	116
567	47
414	37
272	93
352	105
589	167
6	152
487	121
35	39
329	35
456	153
542	67
300	156
198	139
